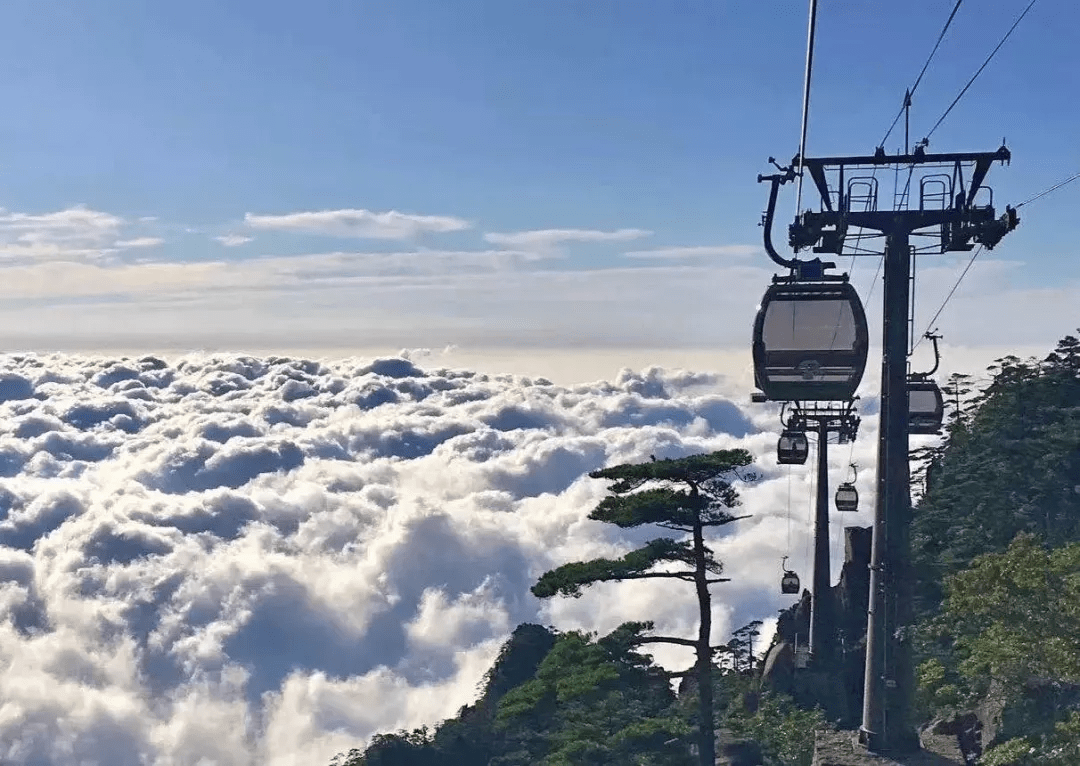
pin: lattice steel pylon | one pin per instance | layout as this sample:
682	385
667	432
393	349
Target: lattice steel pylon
952	213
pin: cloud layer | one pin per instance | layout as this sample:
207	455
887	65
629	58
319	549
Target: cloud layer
268	560
81	273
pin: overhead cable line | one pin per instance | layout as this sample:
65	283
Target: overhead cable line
806	99
911	90
974	255
906	105
1047	191
950	295
980	69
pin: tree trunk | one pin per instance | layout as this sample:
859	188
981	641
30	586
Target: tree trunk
706	732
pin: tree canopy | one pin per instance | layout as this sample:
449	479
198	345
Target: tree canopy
996	541
686	495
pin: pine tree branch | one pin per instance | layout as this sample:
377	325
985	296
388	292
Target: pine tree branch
569	579
665	640
687	576
724	520
661	505
679	673
675	527
712	580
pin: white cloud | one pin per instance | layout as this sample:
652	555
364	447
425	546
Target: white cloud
698	251
139	242
268	560
547	238
74	233
74	221
233	240
358	223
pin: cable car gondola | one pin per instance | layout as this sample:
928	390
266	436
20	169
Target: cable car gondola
926	406
792	448
810	339
789	583
847	497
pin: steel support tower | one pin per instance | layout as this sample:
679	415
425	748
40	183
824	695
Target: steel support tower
953	201
823	419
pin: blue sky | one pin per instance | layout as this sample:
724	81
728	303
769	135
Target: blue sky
513	116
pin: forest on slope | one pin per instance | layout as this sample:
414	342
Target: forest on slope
996	546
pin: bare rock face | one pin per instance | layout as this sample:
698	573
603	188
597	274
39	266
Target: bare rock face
844	675
778	670
852	592
841	748
967	730
793	624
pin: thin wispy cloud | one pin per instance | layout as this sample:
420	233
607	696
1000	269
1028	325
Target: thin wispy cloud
74	233
358	223
74	221
696	251
548	238
296	274
233	240
139	242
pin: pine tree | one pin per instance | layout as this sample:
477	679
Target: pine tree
687	495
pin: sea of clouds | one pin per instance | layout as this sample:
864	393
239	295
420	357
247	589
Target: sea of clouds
224	559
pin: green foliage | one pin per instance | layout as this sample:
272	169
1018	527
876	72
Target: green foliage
698	469
993	542
996	539
572	699
1010	463
569	579
1061	747
784	731
518	659
1012	625
1017	614
402	749
660	505
740	649
937	688
593	702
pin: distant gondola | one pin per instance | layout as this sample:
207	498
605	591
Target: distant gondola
789	583
926	406
847	497
792	448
